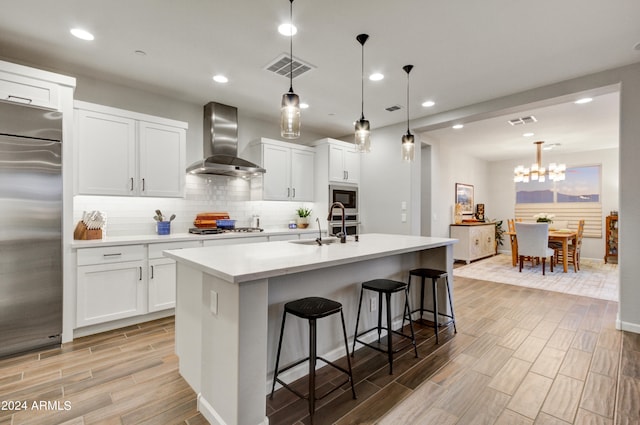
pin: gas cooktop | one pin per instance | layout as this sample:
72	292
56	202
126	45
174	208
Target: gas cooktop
215	230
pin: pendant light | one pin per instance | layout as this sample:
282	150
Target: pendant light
362	133
408	144
557	172
290	106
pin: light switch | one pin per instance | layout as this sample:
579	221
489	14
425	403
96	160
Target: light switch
213	302
403	205
403	217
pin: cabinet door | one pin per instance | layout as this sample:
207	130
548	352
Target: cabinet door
277	180
19	89
302	175
476	245
162	284
110	291
106	154
352	165
162	160
337	171
488	234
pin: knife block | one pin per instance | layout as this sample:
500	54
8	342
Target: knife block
82	233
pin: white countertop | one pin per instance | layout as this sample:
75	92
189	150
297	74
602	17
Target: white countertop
241	263
179	237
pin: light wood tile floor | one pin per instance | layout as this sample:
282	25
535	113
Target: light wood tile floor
521	356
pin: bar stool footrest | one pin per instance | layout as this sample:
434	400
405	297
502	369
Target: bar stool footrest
306	397
383	350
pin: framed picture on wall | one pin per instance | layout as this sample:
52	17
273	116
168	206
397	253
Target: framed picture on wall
464	197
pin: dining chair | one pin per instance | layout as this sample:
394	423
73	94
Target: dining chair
514	241
532	242
573	249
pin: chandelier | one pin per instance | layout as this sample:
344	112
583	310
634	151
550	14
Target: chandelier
537	172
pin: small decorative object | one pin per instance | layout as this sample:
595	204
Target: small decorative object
292	224
91	226
458	214
303	217
480	212
544	218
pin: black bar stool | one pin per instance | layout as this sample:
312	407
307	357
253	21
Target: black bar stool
434	275
312	308
386	287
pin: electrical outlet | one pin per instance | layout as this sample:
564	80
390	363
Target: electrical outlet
213	303
374	304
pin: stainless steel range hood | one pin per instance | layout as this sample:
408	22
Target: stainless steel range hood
220	149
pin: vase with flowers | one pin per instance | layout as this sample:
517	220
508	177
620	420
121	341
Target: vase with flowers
544	218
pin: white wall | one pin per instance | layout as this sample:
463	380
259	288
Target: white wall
503	192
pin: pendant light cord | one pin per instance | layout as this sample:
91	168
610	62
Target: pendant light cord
362	83
408	101
291	47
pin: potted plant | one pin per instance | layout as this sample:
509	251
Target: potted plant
303	217
499	234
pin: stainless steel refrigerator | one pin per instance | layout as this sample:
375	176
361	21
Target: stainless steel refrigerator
30	228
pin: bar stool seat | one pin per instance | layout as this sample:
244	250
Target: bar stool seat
434	275
311	309
386	287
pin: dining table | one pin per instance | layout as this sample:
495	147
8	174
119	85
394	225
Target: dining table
563	236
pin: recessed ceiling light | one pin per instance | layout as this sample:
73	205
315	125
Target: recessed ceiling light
220	79
428	103
457	126
376	76
81	34
287	29
528	134
304	105
583	100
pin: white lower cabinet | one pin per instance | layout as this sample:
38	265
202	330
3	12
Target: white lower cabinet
110	290
162	275
475	241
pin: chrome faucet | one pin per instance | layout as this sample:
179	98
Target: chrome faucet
343	234
319	238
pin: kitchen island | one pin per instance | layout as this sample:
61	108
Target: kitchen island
230	301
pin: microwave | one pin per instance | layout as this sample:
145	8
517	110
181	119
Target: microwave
348	196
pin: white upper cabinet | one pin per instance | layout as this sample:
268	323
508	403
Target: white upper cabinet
290	171
29	91
162	159
128	154
343	161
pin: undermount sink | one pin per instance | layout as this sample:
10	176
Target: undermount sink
324	241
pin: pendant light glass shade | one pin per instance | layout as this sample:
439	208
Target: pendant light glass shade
362	128
408	141
290	116
362	136
290	105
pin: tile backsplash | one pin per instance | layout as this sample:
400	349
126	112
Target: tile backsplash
205	193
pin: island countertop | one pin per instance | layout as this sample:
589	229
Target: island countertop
241	263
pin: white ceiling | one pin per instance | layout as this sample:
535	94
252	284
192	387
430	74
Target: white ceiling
463	51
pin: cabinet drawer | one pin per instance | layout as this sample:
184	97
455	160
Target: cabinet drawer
15	88
111	254
155	249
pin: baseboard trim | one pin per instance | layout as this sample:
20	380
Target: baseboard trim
210	414
627	326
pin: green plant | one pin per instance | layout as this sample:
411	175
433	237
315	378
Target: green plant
499	234
303	212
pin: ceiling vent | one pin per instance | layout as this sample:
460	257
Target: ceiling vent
523	120
393	108
282	65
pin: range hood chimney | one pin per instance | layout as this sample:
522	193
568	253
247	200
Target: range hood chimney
220	149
